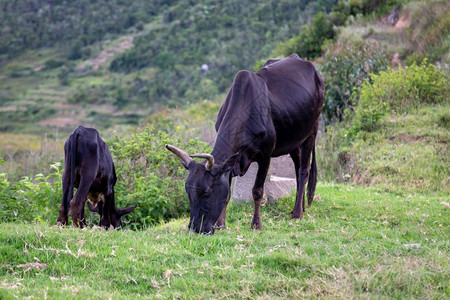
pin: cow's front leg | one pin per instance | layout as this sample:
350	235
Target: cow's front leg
220	224
258	192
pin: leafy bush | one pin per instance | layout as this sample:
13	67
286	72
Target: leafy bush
31	200
344	68
53	63
20	71
371	6
399	90
309	42
150	176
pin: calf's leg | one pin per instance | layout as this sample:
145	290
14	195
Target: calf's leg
63	212
79	200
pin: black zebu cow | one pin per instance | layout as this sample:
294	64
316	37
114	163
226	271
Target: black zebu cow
89	168
268	113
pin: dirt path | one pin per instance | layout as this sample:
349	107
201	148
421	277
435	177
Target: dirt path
109	53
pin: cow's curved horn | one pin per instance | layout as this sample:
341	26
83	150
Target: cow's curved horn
180	153
208	157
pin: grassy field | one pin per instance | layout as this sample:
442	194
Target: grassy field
353	242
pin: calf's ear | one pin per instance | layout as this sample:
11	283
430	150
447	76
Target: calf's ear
126	211
92	208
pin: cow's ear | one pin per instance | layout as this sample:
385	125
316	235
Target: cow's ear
92	207
189	166
229	163
126	211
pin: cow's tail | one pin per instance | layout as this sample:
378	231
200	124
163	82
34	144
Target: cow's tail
320	88
72	158
312	180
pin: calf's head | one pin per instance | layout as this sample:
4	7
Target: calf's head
208	188
112	217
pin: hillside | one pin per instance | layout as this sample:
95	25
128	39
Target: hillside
109	63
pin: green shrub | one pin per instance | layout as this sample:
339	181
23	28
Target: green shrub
344	68
31	200
20	71
379	7
53	63
63	75
399	90
150	176
309	42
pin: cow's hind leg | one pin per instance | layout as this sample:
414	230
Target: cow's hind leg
79	200
258	192
295	155
301	158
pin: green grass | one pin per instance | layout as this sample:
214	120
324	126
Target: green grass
353	242
407	151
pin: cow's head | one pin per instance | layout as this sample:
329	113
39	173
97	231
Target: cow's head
115	215
208	187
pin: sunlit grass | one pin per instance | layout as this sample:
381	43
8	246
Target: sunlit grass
353	242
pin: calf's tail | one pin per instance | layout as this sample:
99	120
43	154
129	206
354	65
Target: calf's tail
312	180
72	158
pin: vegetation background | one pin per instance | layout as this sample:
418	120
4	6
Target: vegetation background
147	73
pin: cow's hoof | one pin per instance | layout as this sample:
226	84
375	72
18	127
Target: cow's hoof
219	226
256	225
61	221
296	216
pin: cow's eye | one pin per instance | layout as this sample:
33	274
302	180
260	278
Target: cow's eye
206	193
